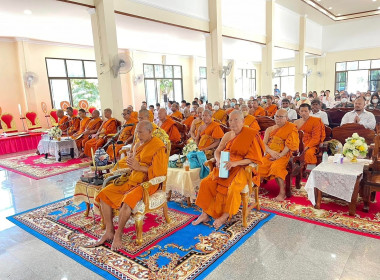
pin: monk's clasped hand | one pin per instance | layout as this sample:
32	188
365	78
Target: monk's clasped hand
229	164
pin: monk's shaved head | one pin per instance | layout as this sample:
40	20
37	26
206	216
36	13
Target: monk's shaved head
237	114
95	114
282	112
162	114
143	115
147	125
281	117
200	110
244	107
207	112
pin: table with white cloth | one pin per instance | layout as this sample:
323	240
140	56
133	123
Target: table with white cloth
339	180
66	146
183	182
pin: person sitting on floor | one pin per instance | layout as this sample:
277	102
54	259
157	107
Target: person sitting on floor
218	197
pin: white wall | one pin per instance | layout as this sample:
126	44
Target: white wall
314	34
286	25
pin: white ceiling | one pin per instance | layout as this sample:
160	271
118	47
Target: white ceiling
344	7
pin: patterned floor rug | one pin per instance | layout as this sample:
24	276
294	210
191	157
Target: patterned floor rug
178	251
333	212
37	167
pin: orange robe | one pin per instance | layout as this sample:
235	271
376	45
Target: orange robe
171	129
151	116
188	122
93	124
259	112
220	116
251	122
229	110
197	124
271	110
313	134
135	115
151	155
82	126
126	133
278	139
74	125
177	115
217	195
108	127
63	124
208	136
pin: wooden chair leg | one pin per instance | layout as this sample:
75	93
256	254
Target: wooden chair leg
88	206
166	214
169	195
257	200
139	224
244	198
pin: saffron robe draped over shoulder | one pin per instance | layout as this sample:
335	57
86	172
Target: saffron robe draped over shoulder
177	114
271	110
313	135
63	124
152	155
259	112
220	116
286	135
188	122
74	125
217	195
93	124
208	136
251	122
108	127
171	129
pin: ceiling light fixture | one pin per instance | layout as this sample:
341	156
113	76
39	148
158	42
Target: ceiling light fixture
330	8
27	12
338	14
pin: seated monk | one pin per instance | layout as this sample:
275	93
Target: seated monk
209	134
125	136
188	118
220	198
197	122
133	113
313	133
249	120
219	114
63	121
109	126
84	120
149	160
74	122
91	128
256	109
271	108
176	115
169	126
280	140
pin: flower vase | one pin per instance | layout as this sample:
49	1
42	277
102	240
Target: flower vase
354	159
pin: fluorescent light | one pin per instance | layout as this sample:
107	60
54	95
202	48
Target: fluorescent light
338	14
330	8
27	12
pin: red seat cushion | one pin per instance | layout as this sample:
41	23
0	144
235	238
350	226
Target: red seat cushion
54	115
32	116
91	109
7	119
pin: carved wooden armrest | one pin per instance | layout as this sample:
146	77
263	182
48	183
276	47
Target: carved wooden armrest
146	185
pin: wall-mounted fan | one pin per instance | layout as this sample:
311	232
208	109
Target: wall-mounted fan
30	78
121	64
138	79
308	73
277	72
226	69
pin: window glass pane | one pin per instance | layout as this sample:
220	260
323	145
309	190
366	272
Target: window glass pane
158	71
178	71
375	64
352	65
178	90
284	71
59	92
276	81
365	64
166	86
287	84
203	72
357	80
85	89
292	71
375	86
168	71
254	73
375	75
90	69
150	91
148	71
340	86
56	67
341	76
74	68
340	66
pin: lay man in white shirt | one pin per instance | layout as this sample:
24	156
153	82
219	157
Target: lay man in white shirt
359	115
292	114
316	111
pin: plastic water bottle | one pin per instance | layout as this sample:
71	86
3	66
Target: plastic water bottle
325	157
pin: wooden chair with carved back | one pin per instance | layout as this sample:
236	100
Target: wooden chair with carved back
335	115
265	122
341	133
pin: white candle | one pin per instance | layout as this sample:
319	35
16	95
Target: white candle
19	109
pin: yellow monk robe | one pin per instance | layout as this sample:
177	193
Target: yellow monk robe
217	195
188	122
313	134
152	155
271	110
177	114
210	134
170	128
135	115
259	112
220	116
278	139
197	124
74	125
93	124
126	133
63	124
82	126
251	122
229	110
108	127
151	116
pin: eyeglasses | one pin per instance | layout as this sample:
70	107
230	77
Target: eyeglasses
279	117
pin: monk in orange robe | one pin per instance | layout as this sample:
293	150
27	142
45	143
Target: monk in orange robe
74	122
188	118
219	114
84	120
125	136
133	113
271	108
256	109
218	197
109	126
313	133
197	122
280	140
209	134
63	121
149	160
176	115
249	120
169	126
91	128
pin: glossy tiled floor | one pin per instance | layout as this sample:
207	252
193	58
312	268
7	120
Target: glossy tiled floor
281	249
